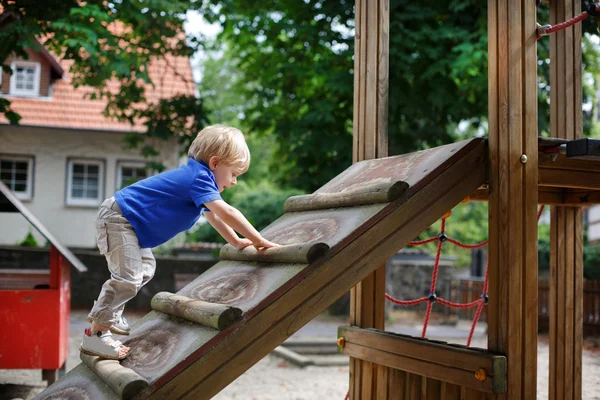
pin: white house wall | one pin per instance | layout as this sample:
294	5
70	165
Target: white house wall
51	148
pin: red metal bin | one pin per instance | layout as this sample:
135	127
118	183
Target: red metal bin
35	305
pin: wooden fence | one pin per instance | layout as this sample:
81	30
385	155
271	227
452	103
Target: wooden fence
464	291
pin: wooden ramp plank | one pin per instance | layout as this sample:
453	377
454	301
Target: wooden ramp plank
181	359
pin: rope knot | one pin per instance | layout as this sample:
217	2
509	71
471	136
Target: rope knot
542	30
485	298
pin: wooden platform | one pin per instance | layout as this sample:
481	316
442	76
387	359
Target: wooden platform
562	181
181	359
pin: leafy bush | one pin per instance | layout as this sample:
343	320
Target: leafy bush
591	261
29	240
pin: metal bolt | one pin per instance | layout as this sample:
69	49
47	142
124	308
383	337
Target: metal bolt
341	341
523	158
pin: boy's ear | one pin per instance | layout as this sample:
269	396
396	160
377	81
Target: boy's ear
213	162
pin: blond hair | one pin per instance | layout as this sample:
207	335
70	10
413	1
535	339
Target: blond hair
223	141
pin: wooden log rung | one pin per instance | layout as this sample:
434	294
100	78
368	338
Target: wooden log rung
303	253
217	316
373	194
125	382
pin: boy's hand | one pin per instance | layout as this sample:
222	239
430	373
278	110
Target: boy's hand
264	244
242	243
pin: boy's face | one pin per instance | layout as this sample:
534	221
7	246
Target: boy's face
225	174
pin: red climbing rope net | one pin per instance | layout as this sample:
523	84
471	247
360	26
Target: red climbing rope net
442	238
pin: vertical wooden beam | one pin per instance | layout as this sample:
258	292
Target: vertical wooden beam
513	175
566	252
367	303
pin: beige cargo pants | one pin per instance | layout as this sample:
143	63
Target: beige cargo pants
130	266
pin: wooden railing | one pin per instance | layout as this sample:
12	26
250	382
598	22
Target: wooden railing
467	290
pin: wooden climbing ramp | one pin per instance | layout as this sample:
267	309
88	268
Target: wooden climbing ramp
333	239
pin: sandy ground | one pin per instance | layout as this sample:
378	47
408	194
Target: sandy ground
272	378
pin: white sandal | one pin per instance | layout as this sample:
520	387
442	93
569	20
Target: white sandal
97	345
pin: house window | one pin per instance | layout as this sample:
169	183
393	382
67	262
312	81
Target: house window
17	173
129	173
25	79
85	182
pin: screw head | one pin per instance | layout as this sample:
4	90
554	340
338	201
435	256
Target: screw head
480	375
523	158
341	341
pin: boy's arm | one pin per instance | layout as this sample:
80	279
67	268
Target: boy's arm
225	230
236	220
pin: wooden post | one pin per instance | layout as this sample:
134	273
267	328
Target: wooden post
513	174
367	299
566	250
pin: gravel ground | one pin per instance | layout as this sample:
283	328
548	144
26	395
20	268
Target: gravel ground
272	378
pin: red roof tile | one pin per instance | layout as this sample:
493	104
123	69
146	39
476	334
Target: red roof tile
69	108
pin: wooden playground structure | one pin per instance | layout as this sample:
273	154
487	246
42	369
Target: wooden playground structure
350	226
519	177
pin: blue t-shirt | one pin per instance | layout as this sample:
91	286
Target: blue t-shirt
163	205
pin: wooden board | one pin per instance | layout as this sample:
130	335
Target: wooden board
553	196
512	100
416	169
182	359
566	226
426	358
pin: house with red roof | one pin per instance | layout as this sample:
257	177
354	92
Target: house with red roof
64	158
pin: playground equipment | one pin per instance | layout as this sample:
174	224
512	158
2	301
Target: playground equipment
514	170
36	305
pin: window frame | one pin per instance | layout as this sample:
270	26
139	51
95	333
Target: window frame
129	164
36	83
27	195
73	201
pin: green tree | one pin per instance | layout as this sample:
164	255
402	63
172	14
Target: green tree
105	41
219	90
296	61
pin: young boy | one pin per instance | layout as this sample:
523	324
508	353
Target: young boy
152	211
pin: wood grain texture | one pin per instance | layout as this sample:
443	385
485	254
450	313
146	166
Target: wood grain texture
123	381
370	142
413	168
566	263
569	179
301	253
553	196
512	310
453	364
217	316
376	193
82	383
